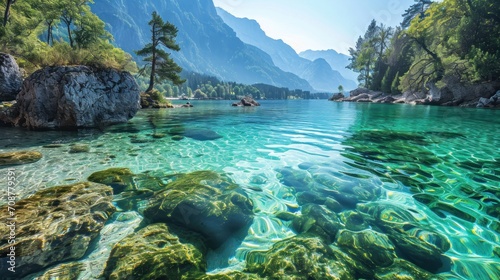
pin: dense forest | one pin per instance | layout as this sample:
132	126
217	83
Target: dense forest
455	40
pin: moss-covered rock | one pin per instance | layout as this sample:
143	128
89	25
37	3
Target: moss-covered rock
424	247
299	257
230	275
204	202
130	189
177	137
55	225
353	220
370	247
118	178
404	270
19	157
65	271
79	148
317	220
154	252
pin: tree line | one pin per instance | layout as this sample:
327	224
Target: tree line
457	39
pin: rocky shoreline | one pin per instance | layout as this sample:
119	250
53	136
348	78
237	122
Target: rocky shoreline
485	95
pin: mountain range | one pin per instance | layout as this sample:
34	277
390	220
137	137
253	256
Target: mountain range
210	46
317	71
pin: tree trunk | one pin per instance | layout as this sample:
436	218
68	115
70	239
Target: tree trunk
7	12
49	32
68	25
153	62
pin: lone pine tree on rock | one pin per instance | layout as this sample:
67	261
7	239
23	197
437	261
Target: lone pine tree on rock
162	66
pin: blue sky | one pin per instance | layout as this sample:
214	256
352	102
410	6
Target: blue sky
317	24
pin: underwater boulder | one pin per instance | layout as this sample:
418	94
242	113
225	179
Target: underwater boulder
54	225
299	180
404	270
230	275
19	157
204	202
319	221
154	252
299	257
370	247
65	271
423	247
353	220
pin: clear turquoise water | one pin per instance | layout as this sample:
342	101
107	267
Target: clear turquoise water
442	163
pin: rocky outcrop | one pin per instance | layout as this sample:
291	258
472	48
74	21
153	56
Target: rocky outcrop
155	252
337	96
204	202
453	93
491	102
19	157
52	226
75	97
11	78
246	102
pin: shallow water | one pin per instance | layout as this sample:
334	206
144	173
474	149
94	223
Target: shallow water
441	163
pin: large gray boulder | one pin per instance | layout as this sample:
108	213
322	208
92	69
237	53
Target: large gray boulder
75	97
10	78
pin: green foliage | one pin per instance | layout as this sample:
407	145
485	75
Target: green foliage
449	38
368	56
87	42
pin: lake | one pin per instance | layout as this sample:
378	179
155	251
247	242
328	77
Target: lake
432	173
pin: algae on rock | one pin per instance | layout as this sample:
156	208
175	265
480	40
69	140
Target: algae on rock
299	257
55	225
154	252
19	157
204	202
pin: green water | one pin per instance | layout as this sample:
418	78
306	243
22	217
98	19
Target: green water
440	165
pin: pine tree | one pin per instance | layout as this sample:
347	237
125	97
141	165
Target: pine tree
162	65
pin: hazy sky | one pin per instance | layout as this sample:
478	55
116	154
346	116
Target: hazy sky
317	24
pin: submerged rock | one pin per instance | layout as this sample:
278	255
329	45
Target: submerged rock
65	271
370	247
230	275
204	202
19	157
154	252
404	270
118	178
201	134
299	257
74	97
131	190
11	78
79	148
319	221
422	247
55	225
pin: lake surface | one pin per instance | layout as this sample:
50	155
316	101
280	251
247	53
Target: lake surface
441	165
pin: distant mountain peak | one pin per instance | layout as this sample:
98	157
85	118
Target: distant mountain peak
320	74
